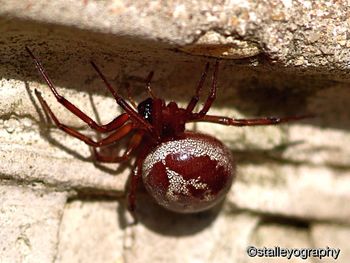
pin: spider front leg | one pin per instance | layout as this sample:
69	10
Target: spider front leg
115	136
114	124
249	122
134	115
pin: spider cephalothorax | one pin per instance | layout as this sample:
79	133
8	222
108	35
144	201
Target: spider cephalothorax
184	171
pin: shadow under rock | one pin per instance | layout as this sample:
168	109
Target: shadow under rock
275	155
168	223
254	91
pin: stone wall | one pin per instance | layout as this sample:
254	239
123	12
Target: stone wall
279	58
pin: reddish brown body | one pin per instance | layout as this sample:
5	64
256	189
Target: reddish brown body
189	174
184	172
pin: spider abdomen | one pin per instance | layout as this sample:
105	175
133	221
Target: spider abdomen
189	174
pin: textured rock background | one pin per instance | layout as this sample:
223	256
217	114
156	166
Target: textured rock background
280	58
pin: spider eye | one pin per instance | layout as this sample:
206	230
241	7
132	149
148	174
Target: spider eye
145	109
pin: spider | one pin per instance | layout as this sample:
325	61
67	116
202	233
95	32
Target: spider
183	171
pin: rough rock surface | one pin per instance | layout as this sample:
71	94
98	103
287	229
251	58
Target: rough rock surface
279	57
29	223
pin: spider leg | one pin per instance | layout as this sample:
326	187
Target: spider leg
132	101
134	115
133	144
194	100
249	122
115	136
135	178
114	124
148	88
212	94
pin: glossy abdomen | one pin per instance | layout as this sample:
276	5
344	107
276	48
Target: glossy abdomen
190	174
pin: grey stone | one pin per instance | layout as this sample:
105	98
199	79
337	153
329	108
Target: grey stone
29	223
90	232
279	58
272	235
191	238
333	236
